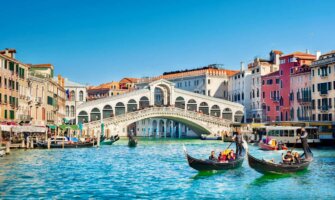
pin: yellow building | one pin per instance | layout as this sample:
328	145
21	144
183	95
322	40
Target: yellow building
47	97
13	86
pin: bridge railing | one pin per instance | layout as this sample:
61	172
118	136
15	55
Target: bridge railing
163	111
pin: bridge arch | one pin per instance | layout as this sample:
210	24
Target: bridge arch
120	109
95	114
238	116
144	102
227	114
192	105
203	108
132	105
107	111
180	102
215	111
83	117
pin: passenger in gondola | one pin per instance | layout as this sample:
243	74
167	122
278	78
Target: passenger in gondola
297	158
222	157
288	158
231	156
212	156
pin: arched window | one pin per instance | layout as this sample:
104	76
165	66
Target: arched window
238	116
83	117
215	111
131	106
120	109
203	108
180	103
67	111
144	102
95	114
72	111
227	114
192	105
72	96
107	111
81	96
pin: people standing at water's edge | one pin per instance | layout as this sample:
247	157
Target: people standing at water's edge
238	140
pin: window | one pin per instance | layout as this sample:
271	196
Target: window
263	95
50	101
209	81
263	82
281	72
277	108
268	108
257	70
277	80
313	72
291	70
67	111
269	82
81	96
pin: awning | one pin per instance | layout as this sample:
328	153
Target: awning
51	126
30	129
5	128
65	126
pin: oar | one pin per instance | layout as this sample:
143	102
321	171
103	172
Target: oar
229	145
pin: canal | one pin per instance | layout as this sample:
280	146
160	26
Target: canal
156	169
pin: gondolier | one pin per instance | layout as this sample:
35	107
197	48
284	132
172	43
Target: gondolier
238	140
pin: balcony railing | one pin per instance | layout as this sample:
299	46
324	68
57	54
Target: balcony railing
275	99
24	117
323	92
324	108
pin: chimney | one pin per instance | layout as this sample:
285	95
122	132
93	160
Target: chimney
242	66
8	52
307	51
318	54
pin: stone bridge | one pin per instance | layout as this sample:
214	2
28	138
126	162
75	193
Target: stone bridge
159	99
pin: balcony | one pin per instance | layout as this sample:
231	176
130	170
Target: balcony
55	108
323	76
38	100
323	92
324	108
24	117
306	100
275	99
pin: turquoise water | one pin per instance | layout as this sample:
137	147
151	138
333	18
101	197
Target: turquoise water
156	169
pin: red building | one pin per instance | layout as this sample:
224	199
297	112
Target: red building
270	96
289	63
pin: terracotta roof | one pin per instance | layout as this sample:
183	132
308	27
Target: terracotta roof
276	73
42	65
302	55
127	80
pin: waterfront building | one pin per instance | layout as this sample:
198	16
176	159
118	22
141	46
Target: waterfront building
111	89
239	90
46	96
13	86
75	95
260	67
288	64
270	96
323	88
300	94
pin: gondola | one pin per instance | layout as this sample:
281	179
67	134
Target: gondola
264	167
132	142
209	165
110	141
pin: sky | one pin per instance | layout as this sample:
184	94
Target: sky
97	41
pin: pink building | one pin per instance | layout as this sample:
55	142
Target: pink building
300	95
270	96
288	63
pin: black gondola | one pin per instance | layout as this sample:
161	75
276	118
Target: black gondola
209	165
132	142
264	167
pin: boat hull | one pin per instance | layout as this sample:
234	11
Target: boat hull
265	167
208	165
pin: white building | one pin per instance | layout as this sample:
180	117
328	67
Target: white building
260	67
76	95
240	88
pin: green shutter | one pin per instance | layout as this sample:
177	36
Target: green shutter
5	114
12	114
